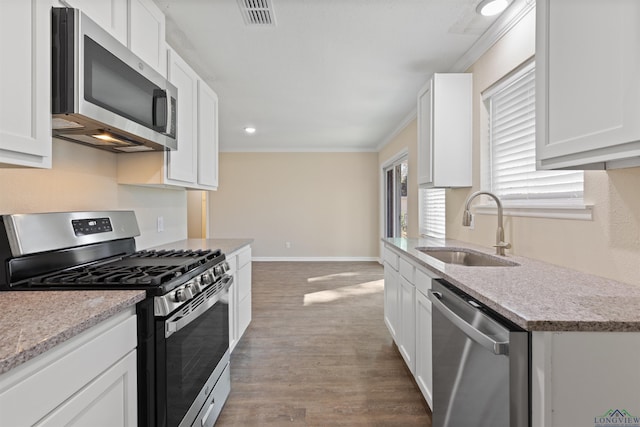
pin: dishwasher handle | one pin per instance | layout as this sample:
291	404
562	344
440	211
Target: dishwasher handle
496	347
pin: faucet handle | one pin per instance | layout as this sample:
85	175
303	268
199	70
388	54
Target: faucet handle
500	247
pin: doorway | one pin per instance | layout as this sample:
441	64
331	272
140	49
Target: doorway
395	182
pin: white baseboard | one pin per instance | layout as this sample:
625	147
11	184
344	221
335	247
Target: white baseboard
314	259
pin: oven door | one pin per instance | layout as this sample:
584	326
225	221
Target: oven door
192	350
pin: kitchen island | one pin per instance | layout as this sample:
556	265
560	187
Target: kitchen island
584	329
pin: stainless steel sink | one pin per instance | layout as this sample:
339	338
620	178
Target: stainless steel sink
466	257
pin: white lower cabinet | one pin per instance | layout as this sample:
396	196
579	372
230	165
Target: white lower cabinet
585	379
407	314
407	342
391	298
239	294
88	380
424	370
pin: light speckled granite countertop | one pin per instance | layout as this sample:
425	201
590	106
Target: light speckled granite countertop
32	322
536	295
226	245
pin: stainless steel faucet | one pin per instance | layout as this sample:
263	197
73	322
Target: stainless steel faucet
500	245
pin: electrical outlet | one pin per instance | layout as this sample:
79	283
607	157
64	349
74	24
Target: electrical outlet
287	245
160	224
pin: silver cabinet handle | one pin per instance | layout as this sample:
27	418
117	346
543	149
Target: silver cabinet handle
487	342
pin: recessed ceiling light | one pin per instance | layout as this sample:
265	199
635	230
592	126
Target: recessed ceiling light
491	7
250	130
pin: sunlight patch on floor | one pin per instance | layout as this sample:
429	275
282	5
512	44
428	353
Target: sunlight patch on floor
331	277
331	295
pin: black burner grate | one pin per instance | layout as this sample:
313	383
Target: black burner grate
147	268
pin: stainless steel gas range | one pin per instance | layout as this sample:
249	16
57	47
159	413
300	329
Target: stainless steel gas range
183	324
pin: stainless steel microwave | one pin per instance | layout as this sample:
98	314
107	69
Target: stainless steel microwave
103	95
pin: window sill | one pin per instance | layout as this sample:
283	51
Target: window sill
575	211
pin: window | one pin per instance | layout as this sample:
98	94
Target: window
510	154
432	213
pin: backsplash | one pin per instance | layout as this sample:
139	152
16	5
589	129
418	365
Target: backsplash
85	179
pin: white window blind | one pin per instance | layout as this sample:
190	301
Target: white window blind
512	154
432	212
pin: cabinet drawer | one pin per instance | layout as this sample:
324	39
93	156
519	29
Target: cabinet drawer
406	269
391	258
423	281
244	257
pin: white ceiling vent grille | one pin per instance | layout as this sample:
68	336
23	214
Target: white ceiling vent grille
257	12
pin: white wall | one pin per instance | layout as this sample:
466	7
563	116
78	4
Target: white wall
324	204
84	178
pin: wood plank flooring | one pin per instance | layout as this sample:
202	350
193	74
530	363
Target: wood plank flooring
318	353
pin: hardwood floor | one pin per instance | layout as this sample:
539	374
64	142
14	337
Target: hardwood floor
317	352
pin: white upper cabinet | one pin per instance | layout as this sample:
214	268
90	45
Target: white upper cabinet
111	15
587	84
137	24
25	84
444	131
182	162
147	34
207	136
194	165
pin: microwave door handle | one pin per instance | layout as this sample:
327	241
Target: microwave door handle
159	94
167	126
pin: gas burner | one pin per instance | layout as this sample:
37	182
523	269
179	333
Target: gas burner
147	269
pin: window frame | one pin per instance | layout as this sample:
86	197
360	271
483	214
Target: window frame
561	208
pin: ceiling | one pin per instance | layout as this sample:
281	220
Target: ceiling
330	75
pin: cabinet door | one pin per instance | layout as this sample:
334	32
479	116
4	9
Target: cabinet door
207	136
391	300
109	14
424	372
147	34
425	154
587	85
244	291
109	401
25	88
407	316
444	131
182	162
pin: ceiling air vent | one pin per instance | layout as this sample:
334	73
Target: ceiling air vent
257	12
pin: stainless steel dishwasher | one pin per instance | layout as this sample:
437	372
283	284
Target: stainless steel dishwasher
480	364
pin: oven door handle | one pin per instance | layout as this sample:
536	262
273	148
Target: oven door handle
179	321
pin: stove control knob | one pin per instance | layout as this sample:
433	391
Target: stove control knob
207	278
196	285
190	289
183	294
219	269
